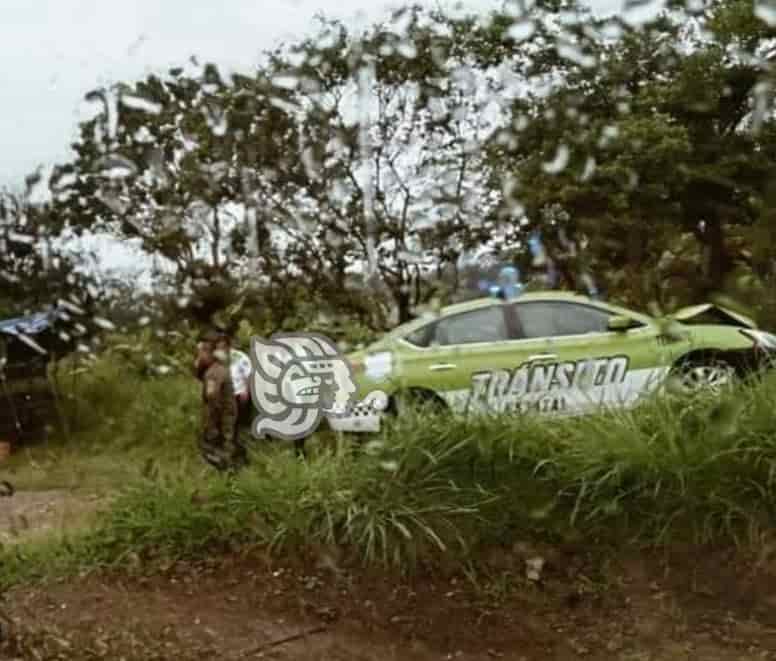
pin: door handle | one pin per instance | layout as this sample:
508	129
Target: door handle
440	367
542	357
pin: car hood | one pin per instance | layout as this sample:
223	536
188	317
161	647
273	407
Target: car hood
710	312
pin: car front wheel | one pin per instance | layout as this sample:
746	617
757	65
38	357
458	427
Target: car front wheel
711	375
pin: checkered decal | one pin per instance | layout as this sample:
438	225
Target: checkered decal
361	410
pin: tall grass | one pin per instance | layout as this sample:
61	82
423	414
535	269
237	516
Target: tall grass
432	488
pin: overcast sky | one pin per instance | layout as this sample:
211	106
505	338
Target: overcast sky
53	51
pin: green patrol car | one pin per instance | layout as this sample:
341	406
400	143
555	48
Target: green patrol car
548	352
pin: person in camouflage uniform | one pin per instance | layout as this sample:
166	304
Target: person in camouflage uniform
217	441
239	366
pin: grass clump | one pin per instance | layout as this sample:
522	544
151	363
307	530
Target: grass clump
433	488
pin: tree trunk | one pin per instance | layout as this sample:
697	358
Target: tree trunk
402	296
717	265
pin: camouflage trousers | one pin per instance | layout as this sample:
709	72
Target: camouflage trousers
224	454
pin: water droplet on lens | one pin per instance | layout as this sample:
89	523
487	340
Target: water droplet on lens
216	120
140	103
558	163
765	10
522	30
104	324
16	237
116	167
286	82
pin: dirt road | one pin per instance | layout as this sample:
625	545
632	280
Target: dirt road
710	606
29	514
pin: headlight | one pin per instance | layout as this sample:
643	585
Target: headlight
378	366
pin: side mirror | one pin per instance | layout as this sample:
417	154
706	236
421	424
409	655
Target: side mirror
621	323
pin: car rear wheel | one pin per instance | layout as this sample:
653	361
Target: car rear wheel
409	401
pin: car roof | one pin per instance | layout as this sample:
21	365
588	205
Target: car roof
550	295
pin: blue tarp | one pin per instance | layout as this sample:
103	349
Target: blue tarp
29	325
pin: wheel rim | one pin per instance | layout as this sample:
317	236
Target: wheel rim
708	378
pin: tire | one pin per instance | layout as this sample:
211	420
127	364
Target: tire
413	400
705	374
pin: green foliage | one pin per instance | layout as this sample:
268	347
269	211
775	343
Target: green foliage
431	489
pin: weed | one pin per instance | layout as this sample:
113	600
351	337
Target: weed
428	489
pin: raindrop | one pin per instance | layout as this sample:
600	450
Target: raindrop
608	134
216	120
116	167
761	104
20	238
574	54
65	337
163	370
64	181
329	40
31	343
70	306
407	49
310	164
765	10
639	12
522	30
390	466
104	324
144	321
143	135
83	348
139	103
589	171
286	82
559	162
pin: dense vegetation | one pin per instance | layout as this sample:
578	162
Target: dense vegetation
359	175
436	494
354	179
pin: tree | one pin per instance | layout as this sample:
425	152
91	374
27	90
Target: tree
394	179
649	143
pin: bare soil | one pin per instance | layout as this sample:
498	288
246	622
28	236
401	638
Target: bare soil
29	514
708	604
712	605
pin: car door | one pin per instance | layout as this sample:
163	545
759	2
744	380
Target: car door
583	364
450	355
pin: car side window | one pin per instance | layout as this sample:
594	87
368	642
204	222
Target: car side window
420	337
557	319
482	325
